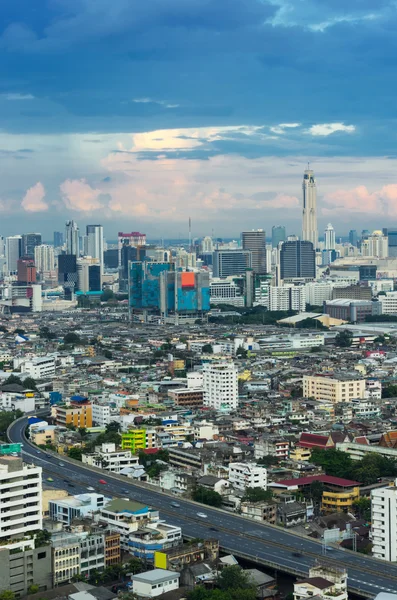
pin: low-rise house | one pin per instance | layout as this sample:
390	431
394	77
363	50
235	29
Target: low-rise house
154	583
110	459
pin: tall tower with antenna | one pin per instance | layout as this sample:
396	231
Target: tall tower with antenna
309	216
190	234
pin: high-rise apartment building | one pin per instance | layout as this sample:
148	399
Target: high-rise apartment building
207	245
72	238
255	242
297	260
29	243
231	262
376	245
278	235
44	258
95	242
58	239
353	237
220	385
26	270
67	273
392	242
329	237
2	246
309	228
384	523
13	252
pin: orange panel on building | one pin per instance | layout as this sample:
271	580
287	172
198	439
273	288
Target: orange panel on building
187	279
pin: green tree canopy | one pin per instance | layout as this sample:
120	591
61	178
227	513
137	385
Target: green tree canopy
207	349
29	383
344	339
75	453
209	497
72	339
7	595
257	494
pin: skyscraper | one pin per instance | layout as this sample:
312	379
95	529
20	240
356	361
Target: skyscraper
231	262
353	238
29	243
278	235
255	242
44	258
58	239
297	260
329	237
95	242
392	242
309	228
13	252
72	238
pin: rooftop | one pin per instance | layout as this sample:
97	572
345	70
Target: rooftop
327	479
156	576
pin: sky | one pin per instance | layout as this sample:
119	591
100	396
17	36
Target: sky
138	115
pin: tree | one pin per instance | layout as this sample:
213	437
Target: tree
363	508
6	418
13	379
42	538
113	426
297	392
46	333
241	352
83	432
33	588
316	491
72	339
108	294
19	331
257	494
75	453
209	497
268	461
207	349
234	578
389	391
344	339
334	462
7	595
107	354
30	384
3	329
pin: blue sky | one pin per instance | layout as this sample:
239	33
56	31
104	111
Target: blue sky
141	114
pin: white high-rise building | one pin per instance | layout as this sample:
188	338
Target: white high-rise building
2	246
309	228
20	498
95	242
207	245
384	523
13	252
329	237
375	245
220	385
244	475
72	238
44	258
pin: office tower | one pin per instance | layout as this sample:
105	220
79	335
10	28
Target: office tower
392	242
2	246
95	278
58	239
367	272
95	242
207	245
29	243
220	385
309	229
26	270
67	273
111	258
130	239
231	262
278	235
329	237
144	284
129	254
72	238
384	523
297	260
13	252
255	242
375	245
20	498
44	258
353	237
184	295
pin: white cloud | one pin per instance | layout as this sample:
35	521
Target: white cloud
78	195
33	200
151	101
17	97
281	127
324	129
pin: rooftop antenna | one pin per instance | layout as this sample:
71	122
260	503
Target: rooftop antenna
308	165
190	234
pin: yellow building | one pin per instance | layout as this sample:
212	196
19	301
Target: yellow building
335	388
41	437
78	414
339	501
186	554
52	494
134	440
300	454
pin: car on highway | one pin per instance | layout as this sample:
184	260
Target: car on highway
297	554
202	515
175	504
329	548
70	484
213	529
50	479
102	481
90	488
61	464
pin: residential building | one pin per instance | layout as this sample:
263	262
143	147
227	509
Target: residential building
317	292
134	440
155	583
255	242
335	388
64	510
386	304
375	245
309	216
260	511
95	242
26	270
188	397
66	557
39	367
44	258
231	262
101	414
177	558
110	459
384	522
354	311
329	237
72	238
78	413
297	261
324	581
270	446
92	552
227	290
353	292
244	475
23	565
112	548
220	384
20	496
58	239
287	297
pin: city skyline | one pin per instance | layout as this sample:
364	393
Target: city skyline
145	128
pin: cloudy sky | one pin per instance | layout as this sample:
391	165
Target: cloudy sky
138	114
